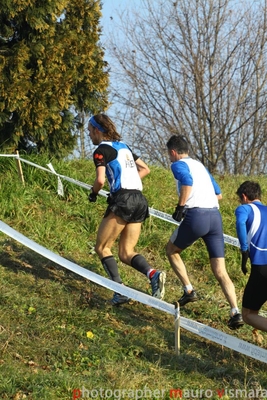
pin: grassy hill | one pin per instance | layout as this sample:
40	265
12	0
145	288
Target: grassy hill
59	339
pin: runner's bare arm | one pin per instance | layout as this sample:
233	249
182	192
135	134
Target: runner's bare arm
100	179
142	168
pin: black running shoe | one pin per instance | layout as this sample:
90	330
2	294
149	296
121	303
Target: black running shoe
187	298
119	299
235	321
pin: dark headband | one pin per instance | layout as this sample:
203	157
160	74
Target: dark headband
93	122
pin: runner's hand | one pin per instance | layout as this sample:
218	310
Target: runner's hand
245	255
179	213
92	197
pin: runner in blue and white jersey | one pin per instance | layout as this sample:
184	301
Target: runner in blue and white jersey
199	217
127	206
251	228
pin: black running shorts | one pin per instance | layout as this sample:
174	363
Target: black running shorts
130	205
255	293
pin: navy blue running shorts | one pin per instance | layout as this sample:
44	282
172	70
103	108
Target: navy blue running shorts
255	293
130	205
205	223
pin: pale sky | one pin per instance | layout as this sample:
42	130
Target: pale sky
111	7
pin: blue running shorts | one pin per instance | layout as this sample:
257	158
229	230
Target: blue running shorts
205	223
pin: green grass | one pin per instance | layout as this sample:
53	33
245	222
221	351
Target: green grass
57	332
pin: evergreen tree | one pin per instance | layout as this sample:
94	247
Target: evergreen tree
51	66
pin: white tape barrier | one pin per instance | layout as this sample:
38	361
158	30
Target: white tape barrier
195	327
60	189
224	339
74	181
100	280
156	213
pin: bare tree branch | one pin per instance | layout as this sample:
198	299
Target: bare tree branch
198	68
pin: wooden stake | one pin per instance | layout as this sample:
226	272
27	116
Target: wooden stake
20	172
177	328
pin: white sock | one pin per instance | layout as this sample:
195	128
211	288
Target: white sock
188	288
234	311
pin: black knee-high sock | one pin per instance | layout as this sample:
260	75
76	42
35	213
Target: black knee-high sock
111	267
139	263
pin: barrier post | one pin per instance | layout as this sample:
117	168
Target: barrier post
60	189
177	327
20	172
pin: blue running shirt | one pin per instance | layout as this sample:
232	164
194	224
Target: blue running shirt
251	228
190	172
120	166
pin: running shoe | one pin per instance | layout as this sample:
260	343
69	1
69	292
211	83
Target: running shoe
187	298
236	321
119	299
157	284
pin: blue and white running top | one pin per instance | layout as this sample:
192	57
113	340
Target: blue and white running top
190	172
120	166
251	228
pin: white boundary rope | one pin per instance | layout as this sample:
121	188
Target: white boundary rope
156	213
195	327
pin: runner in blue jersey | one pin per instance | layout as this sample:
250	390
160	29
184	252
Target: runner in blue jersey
127	206
199	217
251	227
